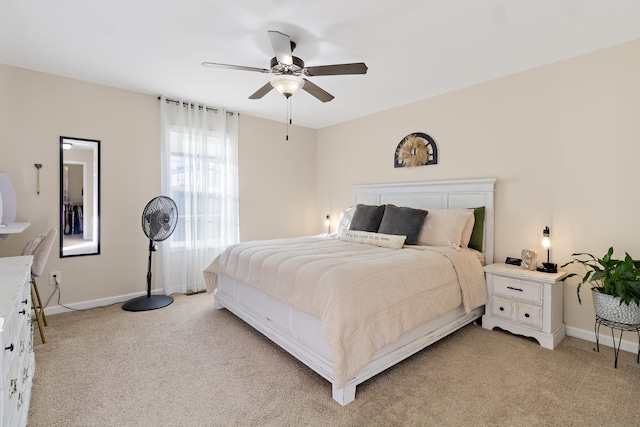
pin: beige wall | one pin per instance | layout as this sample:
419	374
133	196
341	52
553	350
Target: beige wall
37	108
277	180
563	140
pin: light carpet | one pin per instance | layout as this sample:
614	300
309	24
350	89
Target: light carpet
189	364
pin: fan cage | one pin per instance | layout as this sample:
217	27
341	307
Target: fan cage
159	218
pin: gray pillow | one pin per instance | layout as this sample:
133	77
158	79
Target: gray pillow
367	218
403	221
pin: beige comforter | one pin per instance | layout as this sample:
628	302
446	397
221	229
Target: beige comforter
365	296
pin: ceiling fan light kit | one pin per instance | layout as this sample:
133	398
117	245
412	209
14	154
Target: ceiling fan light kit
287	84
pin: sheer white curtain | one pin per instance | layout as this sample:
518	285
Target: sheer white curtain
200	173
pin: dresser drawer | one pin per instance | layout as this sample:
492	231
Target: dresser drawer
10	337
517	289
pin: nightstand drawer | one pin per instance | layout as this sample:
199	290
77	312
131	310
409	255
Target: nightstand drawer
501	308
518	289
524	314
530	315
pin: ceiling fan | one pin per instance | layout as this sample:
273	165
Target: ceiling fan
288	70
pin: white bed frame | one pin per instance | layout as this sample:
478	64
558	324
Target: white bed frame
301	334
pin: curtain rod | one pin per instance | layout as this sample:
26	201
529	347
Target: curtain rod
185	104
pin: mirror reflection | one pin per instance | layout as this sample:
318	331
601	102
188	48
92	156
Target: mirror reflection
79	197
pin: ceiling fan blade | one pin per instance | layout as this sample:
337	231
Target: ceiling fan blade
281	46
234	67
262	91
316	91
338	69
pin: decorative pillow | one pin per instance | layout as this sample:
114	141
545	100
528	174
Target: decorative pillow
403	221
443	227
345	219
376	239
477	236
367	218
467	230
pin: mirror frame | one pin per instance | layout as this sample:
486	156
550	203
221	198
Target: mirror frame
96	209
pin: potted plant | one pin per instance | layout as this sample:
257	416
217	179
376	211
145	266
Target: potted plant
615	285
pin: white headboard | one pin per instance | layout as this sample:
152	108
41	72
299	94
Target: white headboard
471	193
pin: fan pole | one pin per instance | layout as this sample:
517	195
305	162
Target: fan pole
148	302
152	248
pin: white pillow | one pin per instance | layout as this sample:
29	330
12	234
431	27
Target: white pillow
444	227
345	219
376	239
467	231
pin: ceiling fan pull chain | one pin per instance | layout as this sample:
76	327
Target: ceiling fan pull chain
288	115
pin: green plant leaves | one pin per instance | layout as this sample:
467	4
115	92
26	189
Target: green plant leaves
607	275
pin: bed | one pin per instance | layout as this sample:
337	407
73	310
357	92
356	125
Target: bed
348	309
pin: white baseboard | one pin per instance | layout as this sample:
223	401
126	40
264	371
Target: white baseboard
86	305
605	337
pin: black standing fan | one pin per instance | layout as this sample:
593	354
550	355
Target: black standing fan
159	219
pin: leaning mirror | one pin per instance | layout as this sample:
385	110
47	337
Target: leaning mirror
79	197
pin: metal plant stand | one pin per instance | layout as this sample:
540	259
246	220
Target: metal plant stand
621	327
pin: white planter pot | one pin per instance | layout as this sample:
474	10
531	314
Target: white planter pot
609	308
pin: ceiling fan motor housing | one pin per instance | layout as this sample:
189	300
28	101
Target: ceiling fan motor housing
295	67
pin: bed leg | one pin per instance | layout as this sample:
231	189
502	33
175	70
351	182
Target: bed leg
344	395
217	305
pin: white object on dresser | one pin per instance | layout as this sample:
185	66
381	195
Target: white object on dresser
16	356
525	302
8	208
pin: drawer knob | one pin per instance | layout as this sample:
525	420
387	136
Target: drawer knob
25	301
23	311
514	289
10	348
526	315
501	309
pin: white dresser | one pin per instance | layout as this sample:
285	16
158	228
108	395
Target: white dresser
525	302
18	361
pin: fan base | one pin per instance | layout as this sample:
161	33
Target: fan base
146	303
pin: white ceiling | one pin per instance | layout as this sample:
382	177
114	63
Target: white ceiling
415	49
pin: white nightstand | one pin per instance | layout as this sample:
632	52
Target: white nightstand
525	302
